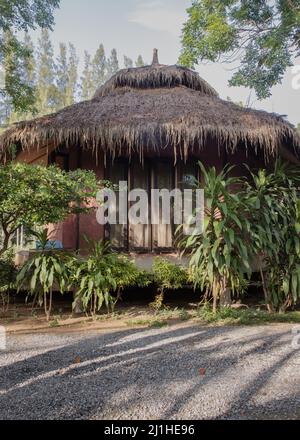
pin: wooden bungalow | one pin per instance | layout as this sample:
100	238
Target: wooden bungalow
149	126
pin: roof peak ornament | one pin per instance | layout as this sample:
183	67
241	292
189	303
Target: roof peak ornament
155	57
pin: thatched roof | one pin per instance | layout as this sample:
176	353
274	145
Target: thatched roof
152	108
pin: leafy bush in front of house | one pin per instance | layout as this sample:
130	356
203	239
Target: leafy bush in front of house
275	228
34	195
44	272
220	255
8	273
166	276
258	219
100	279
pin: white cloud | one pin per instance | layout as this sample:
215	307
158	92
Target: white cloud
160	16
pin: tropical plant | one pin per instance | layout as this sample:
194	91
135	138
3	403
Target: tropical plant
101	277
8	273
220	254
167	275
275	227
46	271
35	196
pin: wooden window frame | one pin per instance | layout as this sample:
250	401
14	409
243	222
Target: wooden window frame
177	173
66	159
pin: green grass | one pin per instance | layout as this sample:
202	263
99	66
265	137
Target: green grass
161	318
54	323
245	316
139	322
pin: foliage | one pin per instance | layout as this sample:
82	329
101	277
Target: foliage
52	84
128	63
8	273
16	16
45	271
139	62
249	316
275	227
263	34
103	274
36	195
86	85
220	255
167	275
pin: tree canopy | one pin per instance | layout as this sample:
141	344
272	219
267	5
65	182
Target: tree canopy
262	36
35	195
16	16
53	82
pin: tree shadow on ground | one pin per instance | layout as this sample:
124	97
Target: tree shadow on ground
142	373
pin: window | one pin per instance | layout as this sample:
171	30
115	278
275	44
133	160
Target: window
60	158
153	174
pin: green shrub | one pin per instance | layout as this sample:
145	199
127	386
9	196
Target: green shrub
44	271
102	277
166	276
8	273
227	315
275	227
220	254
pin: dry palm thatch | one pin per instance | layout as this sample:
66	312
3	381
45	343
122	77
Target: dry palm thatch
154	108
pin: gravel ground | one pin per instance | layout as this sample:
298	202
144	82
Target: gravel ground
250	373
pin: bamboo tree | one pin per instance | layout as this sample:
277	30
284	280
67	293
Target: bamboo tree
128	63
46	89
139	62
72	85
61	76
112	64
86	86
99	68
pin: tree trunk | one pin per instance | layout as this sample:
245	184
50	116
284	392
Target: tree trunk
4	245
215	297
77	305
266	292
48	308
215	303
225	298
285	305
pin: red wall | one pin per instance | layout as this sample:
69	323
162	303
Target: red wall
86	224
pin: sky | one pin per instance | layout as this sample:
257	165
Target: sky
135	27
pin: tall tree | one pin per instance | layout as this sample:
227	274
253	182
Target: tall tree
139	62
72	85
16	16
99	69
112	64
86	85
27	70
36	195
46	89
61	76
264	35
128	63
29	62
